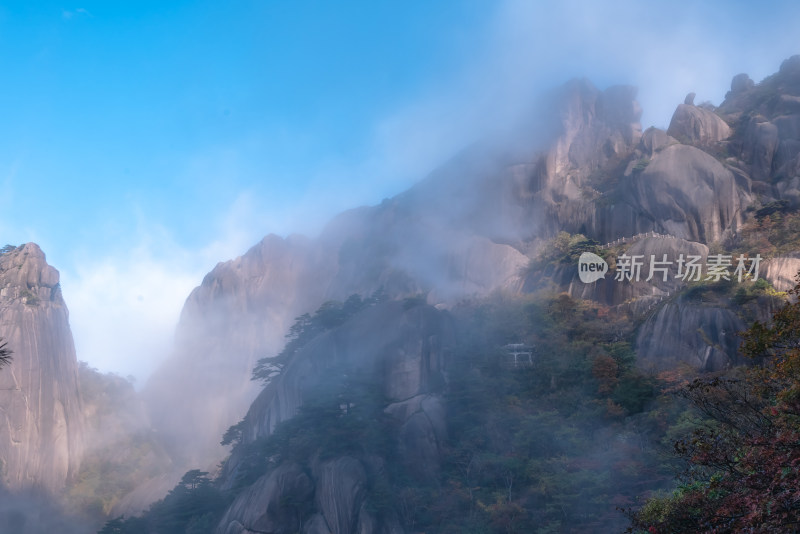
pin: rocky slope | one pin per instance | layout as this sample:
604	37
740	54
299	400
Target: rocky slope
404	351
41	420
238	315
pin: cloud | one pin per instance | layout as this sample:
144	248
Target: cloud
69	15
665	49
124	309
125	302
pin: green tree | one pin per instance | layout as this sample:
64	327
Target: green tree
195	505
328	316
743	470
5	353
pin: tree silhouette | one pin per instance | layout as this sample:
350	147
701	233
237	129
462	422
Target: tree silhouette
5	353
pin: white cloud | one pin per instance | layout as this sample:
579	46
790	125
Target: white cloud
667	49
125	303
68	15
123	309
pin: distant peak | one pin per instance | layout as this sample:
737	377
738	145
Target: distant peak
26	266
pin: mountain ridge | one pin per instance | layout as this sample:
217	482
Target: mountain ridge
470	228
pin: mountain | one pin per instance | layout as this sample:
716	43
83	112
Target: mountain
399	350
363	411
464	230
41	417
510	215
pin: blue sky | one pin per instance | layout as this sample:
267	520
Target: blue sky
143	142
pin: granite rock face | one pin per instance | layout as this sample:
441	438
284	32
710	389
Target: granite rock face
41	419
244	307
237	315
468	229
695	125
704	337
261	507
404	350
782	271
691	194
767	142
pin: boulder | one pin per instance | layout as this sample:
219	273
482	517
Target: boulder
655	140
786	158
272	504
697	126
788	126
691	194
788	105
789	188
618	292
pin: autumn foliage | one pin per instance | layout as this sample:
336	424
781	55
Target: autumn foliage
743	470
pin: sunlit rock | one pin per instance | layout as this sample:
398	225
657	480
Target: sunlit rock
694	125
41	420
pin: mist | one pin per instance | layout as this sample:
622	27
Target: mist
125	300
191	246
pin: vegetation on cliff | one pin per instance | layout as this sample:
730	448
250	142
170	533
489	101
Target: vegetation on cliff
743	461
551	446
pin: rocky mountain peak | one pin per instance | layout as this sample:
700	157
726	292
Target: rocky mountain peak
471	227
41	422
26	267
595	126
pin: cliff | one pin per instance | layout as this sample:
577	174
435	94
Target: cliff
401	350
41	420
237	315
480	223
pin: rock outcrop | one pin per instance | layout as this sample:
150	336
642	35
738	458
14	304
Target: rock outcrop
642	288
261	507
697	126
468	229
404	351
243	308
239	314
767	142
705	337
41	420
690	194
782	272
405	347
